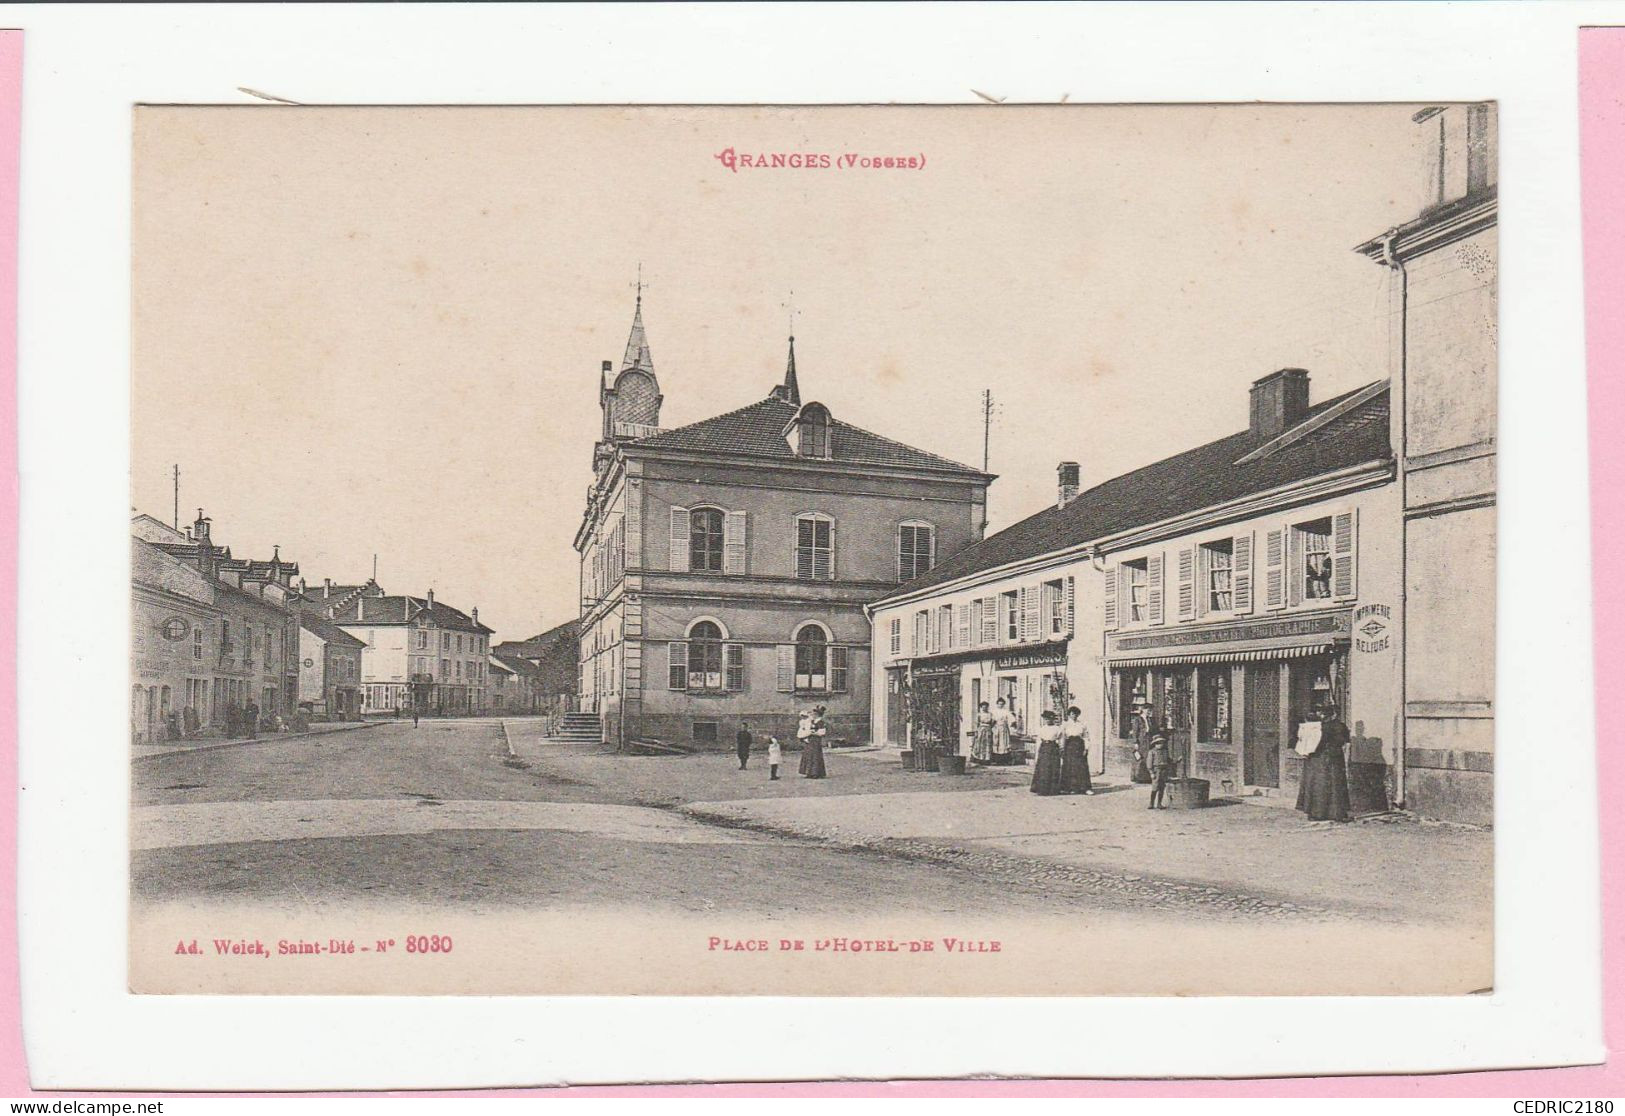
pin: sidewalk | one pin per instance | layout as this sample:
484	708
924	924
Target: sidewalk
1387	867
205	744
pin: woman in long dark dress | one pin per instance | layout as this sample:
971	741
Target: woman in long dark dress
1143	730
811	732
1323	793
1075	754
1047	769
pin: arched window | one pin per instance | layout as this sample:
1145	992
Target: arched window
705	656
916	549
814	431
812	658
815	547
705	539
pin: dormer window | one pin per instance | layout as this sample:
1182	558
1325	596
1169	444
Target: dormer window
813	430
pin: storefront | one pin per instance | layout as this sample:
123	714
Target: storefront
948	689
1231	697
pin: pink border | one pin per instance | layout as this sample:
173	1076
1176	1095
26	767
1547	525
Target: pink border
1602	97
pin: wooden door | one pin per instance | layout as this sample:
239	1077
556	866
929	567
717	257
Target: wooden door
1261	739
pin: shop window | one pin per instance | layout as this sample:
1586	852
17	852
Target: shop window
1213	705
1137	581
1217	568
1312	542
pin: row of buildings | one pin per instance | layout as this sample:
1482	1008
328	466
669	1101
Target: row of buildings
1337	554
215	636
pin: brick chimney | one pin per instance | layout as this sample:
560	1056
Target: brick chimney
327	587
476	614
205	545
1066	483
430	598
1278	402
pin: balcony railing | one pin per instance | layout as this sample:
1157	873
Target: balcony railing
635	429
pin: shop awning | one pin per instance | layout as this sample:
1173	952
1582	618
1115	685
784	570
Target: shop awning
1256	655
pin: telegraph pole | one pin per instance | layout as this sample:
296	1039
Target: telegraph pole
987	423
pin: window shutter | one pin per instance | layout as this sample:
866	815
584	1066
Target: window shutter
903	532
1204	581
1294	566
733	542
801	555
733	664
837	670
1071	608
1187	583
962	617
677	666
679	538
990	619
1241	574
787	668
1345	528
1111	598
1154	589
1030	614
1274	569
829	568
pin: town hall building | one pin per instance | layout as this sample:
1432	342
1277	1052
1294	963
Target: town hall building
725	565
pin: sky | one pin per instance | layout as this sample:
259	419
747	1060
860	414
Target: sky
368	331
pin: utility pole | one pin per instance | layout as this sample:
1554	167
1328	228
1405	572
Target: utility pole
987	423
177	497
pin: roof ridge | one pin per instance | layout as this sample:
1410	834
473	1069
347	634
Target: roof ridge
1118	506
902	445
714	418
1329	411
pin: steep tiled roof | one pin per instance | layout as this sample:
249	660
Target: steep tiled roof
384	611
326	630
513	664
1187	482
758	431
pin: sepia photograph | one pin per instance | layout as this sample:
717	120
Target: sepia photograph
828	551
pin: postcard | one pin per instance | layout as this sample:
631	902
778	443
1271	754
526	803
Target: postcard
832	551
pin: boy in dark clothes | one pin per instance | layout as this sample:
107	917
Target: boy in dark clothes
1162	769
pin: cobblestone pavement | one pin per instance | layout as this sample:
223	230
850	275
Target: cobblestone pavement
491	814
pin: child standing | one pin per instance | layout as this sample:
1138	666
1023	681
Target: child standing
775	756
1161	765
